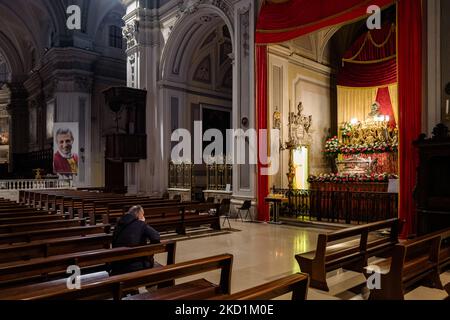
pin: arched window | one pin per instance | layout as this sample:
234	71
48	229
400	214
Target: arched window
115	37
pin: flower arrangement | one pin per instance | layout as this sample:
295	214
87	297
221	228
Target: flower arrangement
344	178
377	147
334	147
346	129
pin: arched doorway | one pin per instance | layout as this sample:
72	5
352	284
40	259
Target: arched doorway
169	59
197	87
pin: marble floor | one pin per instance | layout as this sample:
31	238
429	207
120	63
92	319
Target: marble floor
265	252
261	252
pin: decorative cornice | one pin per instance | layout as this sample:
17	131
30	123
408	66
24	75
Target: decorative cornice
187	7
130	32
285	53
194	90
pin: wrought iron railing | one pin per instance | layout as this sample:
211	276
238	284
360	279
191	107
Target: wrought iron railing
339	206
181	175
218	176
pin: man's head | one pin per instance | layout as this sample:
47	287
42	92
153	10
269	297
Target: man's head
64	139
138	212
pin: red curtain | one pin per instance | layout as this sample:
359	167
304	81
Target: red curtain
283	22
386	109
261	107
286	21
410	103
370	62
369	75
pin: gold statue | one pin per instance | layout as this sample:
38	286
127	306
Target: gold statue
374	113
38	174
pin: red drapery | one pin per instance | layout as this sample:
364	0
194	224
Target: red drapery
286	21
410	103
261	107
386	109
283	22
371	60
369	75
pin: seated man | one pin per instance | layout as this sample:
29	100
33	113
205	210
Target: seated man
131	231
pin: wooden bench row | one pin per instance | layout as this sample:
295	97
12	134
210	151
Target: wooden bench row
43	269
176	218
348	248
100	285
412	263
61	232
51	247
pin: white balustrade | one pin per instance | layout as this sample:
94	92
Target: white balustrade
31	184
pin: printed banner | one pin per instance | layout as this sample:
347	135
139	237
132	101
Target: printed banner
65	157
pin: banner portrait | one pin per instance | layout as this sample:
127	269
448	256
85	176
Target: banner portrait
65	155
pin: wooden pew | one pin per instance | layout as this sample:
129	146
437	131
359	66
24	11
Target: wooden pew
17	208
177	218
83	205
31	226
56	198
117	209
297	284
36	218
101	286
349	253
444	249
412	261
197	215
51	247
39	270
25	237
25	213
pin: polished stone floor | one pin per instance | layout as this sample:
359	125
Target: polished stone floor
261	252
265	252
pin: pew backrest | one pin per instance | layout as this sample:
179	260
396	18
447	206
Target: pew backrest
116	286
20	271
297	284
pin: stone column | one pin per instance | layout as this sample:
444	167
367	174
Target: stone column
19	123
433	65
144	45
244	176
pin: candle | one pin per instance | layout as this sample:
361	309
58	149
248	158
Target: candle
447	107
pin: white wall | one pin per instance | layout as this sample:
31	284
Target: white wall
294	79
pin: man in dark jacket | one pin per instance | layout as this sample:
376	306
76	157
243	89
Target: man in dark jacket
131	231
